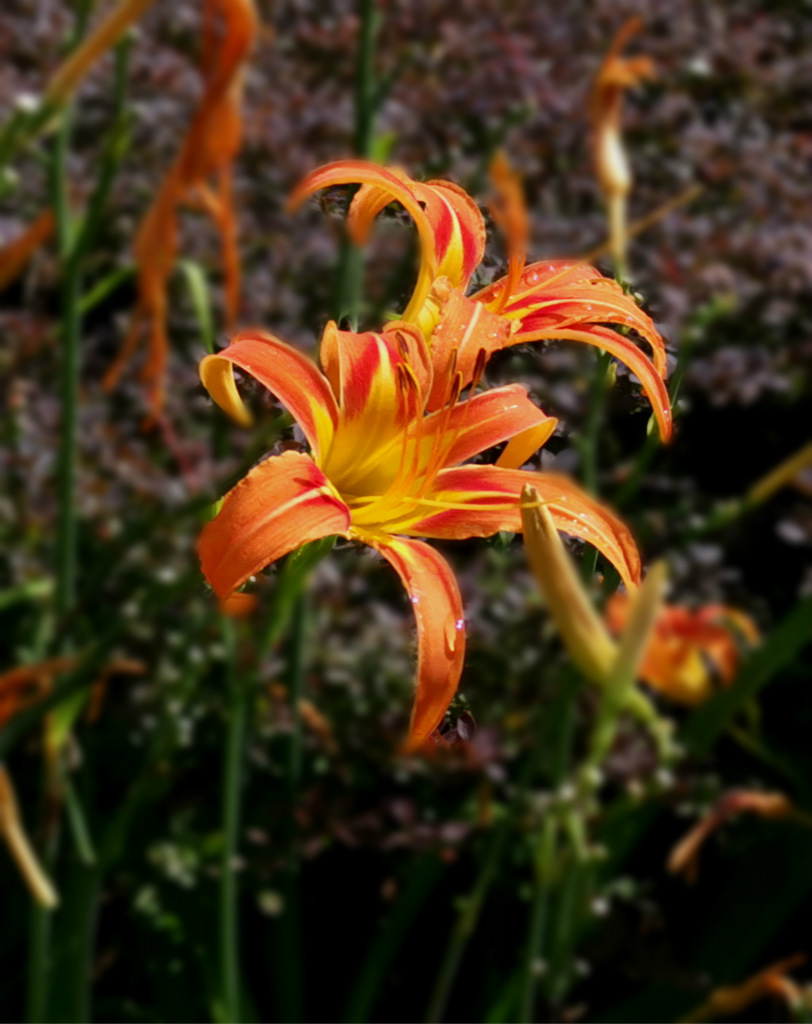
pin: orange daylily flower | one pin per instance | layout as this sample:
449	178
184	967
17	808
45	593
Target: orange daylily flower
208	151
616	74
554	299
387	470
689	650
684	858
732	1000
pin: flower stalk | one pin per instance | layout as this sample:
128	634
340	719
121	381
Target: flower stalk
232	784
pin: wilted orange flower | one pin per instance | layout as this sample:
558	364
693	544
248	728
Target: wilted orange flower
554	299
732	1000
386	469
22	686
684	858
208	151
689	651
15	254
616	74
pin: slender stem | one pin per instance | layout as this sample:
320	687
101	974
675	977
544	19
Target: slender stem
468	916
350	271
85	849
385	945
289	959
70	292
70	289
39	935
232	779
539	915
365	80
466	923
546	847
296	682
590	446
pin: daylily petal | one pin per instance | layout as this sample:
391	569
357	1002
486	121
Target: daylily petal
624	350
459	259
281	504
437	604
463	329
459	230
381	381
450	225
353	172
559	293
569	301
523	446
286	372
486	499
362	368
491	417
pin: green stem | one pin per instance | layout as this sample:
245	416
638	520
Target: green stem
289	957
365	80
298	634
85	850
385	945
466	922
350	268
232	780
539	915
590	445
70	295
468	916
39	940
546	846
70	290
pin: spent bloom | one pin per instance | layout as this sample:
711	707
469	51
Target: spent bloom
200	176
773	982
388	467
771	806
616	74
552	299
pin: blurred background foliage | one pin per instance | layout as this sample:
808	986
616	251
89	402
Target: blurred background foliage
362	874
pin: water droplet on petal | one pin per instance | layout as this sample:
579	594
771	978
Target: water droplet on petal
453	628
414	599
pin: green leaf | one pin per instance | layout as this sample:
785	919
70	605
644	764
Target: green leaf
201	302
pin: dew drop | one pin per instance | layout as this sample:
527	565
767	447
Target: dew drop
453	628
414	599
